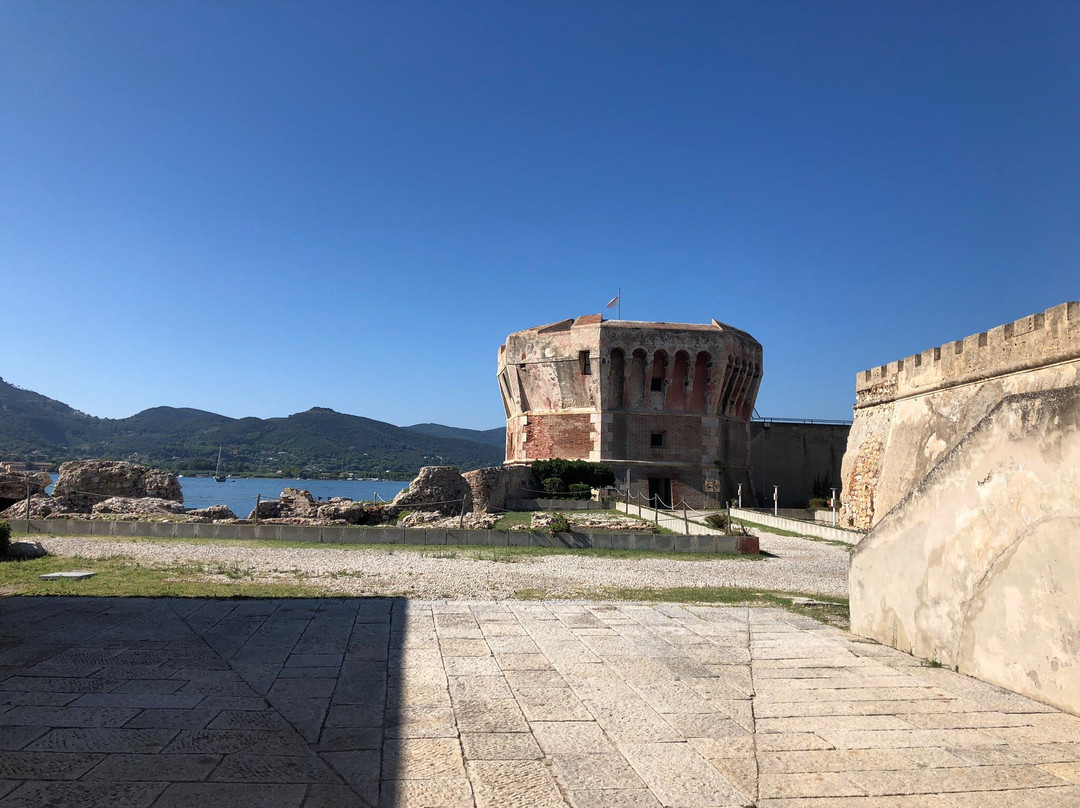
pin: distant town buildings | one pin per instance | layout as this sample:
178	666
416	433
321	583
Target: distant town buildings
16	465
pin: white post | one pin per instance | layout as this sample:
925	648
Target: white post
740	495
775	500
833	506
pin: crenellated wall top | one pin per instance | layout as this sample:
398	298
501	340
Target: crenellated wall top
1032	342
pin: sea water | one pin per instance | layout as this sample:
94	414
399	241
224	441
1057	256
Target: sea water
240	493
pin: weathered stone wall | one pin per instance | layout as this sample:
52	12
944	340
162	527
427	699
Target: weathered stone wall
87	482
436	488
14	486
492	487
910	413
978	566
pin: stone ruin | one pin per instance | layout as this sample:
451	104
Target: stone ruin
16	485
121	490
85	483
436	488
299	507
109	489
101	487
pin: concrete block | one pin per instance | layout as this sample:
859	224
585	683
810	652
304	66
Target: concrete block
394	535
684	544
186	530
521	538
159	530
311	534
622	541
289	533
334	534
464	537
600	541
245	532
416	536
127	528
366	535
663	544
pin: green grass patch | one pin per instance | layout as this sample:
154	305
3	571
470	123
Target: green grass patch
833	611
513	519
121	576
531	594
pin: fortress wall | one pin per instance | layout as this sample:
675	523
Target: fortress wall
977	566
910	413
790	455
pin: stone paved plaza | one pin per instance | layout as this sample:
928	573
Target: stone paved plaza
170	702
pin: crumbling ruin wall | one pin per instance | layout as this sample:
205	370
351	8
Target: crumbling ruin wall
909	414
977	567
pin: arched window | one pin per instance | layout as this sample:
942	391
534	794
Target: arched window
616	379
680	381
699	394
636	386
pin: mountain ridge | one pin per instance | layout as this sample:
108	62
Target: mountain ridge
318	441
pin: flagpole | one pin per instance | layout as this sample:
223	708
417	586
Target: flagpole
620	302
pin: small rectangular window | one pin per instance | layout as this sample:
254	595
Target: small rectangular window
583	360
656	440
657	385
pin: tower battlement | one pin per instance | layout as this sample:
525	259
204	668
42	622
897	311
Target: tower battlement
1038	340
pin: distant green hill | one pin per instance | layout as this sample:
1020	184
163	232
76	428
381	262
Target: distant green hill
496	437
317	442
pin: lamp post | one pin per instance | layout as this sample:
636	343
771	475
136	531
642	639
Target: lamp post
833	506
775	500
740	494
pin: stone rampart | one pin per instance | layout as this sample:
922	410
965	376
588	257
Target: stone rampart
977	566
910	413
1035	341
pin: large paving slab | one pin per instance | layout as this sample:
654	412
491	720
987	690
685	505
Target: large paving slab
391	702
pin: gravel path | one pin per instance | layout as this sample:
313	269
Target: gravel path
800	565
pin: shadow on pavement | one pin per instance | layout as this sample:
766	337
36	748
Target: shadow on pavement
187	702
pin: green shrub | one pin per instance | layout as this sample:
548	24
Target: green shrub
580	491
717	520
554	486
818	504
5	537
594	475
559	524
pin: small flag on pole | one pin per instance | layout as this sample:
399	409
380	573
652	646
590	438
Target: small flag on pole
613	301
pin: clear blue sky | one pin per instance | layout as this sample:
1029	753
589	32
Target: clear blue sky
256	208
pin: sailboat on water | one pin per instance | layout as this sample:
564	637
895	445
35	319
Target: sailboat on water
219	475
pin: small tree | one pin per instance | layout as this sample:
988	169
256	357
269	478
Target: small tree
559	524
582	472
5	537
554	486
